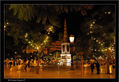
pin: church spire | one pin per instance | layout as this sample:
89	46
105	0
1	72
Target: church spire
65	31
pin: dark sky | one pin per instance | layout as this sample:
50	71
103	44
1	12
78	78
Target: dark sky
75	19
73	24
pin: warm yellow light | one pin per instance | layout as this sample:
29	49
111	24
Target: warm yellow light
91	25
86	65
109	12
37	48
105	12
96	40
4	27
110	49
26	39
102	50
105	49
91	32
71	38
93	22
50	29
7	23
110	67
26	35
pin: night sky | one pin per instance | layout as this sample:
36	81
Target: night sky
73	24
75	19
76	25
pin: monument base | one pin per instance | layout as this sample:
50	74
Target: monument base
66	59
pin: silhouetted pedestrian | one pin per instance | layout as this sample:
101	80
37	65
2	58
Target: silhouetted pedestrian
10	64
25	67
98	67
92	67
37	67
14	63
29	63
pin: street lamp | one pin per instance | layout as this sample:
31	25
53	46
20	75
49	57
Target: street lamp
71	38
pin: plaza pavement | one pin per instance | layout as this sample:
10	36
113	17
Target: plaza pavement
54	71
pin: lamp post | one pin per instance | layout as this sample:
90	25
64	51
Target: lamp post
71	39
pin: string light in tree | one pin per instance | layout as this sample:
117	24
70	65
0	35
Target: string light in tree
5	25
108	12
93	22
26	35
31	43
99	42
39	46
96	40
91	26
50	29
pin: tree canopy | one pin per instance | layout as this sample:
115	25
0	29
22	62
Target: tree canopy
34	25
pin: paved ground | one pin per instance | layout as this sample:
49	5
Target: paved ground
57	72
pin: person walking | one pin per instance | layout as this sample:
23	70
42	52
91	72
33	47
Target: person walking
37	67
14	62
98	67
29	63
10	64
26	64
92	67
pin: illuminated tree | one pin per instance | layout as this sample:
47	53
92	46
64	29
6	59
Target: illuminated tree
98	32
38	21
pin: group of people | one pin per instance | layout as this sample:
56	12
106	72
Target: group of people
35	64
97	67
22	64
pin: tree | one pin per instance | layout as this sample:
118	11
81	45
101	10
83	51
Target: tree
98	32
44	13
21	20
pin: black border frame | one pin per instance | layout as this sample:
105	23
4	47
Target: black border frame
56	2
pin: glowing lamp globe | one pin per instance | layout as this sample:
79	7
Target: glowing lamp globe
71	38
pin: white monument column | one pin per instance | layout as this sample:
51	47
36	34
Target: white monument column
65	48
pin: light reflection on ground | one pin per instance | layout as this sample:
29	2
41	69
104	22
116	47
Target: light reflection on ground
54	71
